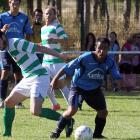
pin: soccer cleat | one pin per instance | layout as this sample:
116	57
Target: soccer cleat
19	106
2	104
99	137
54	135
56	107
69	127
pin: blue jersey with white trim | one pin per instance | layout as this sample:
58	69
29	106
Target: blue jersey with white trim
18	25
89	73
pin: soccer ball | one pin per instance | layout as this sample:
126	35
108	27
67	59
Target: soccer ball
83	133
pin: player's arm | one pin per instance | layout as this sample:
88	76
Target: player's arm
4	28
47	50
58	40
53	83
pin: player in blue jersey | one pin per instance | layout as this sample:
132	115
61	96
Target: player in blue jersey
90	70
14	24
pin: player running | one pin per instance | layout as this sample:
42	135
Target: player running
35	83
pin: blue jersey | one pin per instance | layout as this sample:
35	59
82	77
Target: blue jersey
89	73
18	25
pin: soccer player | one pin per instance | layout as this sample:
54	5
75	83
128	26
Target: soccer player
90	70
34	84
54	33
14	24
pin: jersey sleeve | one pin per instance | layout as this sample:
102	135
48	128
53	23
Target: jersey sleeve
115	72
24	45
60	32
70	67
27	27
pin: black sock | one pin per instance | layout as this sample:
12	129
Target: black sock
61	124
99	126
3	89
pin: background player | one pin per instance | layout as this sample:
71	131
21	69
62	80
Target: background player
14	24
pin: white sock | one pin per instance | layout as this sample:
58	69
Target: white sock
51	96
65	92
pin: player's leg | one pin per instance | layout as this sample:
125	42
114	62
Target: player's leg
97	101
37	110
9	110
63	88
5	67
18	76
55	106
66	117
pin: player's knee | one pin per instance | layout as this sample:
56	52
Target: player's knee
8	103
103	113
35	112
71	111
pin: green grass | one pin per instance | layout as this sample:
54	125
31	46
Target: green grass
123	121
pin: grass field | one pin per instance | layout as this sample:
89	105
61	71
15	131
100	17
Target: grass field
123	121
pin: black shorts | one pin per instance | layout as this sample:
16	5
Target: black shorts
94	98
6	61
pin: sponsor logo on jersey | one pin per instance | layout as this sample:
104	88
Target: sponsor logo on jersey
96	74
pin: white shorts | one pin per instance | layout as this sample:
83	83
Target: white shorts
36	86
53	69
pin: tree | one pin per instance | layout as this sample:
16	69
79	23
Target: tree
95	6
102	9
4	5
115	13
30	8
39	5
127	11
78	7
58	7
86	16
136	10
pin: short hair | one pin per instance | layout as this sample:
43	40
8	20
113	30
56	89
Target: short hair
52	8
38	10
15	0
103	40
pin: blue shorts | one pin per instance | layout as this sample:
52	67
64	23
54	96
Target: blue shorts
6	61
94	98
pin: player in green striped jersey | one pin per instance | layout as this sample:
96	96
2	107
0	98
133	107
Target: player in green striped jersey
52	35
35	83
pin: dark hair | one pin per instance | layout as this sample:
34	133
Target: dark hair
92	48
1	34
116	37
38	10
103	40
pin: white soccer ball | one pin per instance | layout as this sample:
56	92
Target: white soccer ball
83	133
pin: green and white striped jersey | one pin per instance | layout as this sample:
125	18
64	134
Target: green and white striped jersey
54	30
23	52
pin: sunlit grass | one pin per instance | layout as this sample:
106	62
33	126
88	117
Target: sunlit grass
123	121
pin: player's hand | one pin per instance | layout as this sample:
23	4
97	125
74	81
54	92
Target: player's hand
64	56
50	39
53	85
5	27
